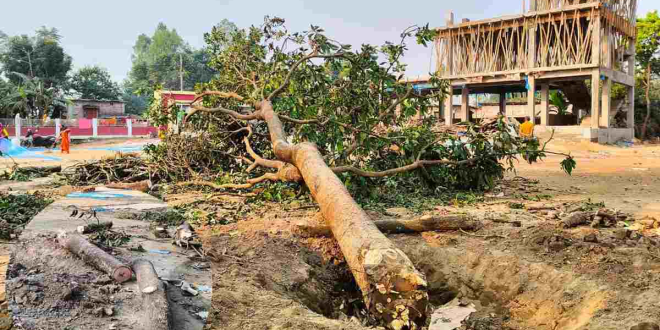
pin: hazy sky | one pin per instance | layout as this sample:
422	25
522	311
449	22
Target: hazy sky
103	32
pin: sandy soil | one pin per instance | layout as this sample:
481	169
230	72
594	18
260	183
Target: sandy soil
79	152
535	276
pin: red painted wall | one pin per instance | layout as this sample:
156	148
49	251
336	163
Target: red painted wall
112	130
75	131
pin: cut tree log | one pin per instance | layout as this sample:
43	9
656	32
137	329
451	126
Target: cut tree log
421	224
393	290
139	186
155	313
94	227
94	256
576	219
41	169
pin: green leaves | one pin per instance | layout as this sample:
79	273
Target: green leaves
568	165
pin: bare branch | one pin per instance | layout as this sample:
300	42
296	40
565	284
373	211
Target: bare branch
292	69
235	114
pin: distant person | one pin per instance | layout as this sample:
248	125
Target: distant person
161	131
527	129
66	139
5	134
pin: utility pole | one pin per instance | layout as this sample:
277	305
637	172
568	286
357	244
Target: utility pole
181	70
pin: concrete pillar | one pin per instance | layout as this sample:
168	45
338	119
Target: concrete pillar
17	124
545	104
129	125
503	104
95	127
449	21
449	106
465	104
531	101
595	56
58	126
606	103
630	118
595	99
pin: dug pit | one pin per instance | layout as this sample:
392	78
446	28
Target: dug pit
515	280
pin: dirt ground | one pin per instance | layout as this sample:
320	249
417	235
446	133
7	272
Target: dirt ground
531	275
80	151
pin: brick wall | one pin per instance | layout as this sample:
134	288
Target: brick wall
106	109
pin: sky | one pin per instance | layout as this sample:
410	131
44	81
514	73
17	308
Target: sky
104	32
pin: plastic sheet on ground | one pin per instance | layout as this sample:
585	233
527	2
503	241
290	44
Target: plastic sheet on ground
450	316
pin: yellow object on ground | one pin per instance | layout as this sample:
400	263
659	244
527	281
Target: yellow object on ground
5	134
526	129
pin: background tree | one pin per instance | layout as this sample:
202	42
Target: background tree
648	52
330	115
157	61
94	82
38	56
31	97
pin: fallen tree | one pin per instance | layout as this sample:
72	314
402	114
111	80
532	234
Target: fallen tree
322	98
396	226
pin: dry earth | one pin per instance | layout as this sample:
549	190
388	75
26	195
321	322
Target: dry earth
535	276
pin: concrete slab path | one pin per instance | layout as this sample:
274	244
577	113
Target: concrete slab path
169	260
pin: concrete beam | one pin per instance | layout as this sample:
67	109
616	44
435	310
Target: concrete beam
619	77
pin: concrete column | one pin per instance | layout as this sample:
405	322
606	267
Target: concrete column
95	127
531	101
595	56
17	124
449	106
606	103
450	47
58	126
465	104
545	104
503	104
531	47
630	119
595	99
129	125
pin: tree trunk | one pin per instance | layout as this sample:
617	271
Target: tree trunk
648	101
155	309
393	290
96	257
422	224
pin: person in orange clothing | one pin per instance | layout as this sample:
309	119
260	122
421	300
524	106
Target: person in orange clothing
66	140
527	129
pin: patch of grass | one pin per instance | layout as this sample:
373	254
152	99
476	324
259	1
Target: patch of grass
516	205
17	210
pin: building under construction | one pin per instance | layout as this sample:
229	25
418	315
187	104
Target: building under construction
579	47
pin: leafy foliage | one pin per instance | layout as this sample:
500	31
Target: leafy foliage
94	82
31	97
353	105
557	100
18	210
38	56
